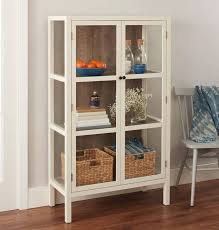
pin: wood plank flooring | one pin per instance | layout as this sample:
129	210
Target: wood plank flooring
136	211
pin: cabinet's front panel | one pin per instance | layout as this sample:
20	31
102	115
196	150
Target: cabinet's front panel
97	130
143	94
142	129
95	110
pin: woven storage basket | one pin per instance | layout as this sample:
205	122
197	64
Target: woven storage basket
93	166
137	166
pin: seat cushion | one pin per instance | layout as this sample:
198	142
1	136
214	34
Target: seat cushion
194	145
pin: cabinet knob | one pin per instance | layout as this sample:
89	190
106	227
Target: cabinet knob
120	78
124	77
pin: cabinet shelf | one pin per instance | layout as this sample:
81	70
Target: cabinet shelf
143	126
149	123
82	192
144	76
58	184
113	78
57	77
95	131
58	128
96	79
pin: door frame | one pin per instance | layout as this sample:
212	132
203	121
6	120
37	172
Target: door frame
18	35
22	116
163	78
118	25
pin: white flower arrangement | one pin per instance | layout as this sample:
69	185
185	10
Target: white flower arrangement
135	105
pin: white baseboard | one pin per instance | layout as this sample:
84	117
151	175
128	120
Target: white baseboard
39	196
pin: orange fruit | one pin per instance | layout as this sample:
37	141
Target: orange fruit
80	64
93	61
101	64
91	65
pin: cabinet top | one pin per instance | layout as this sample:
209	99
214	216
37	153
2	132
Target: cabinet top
109	18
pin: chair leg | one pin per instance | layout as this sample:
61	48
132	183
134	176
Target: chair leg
181	169
194	169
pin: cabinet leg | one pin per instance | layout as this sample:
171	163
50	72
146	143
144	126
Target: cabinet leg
51	196
166	193
68	210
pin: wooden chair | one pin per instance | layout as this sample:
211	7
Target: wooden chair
185	101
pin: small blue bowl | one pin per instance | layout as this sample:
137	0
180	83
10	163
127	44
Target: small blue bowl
139	65
139	68
83	72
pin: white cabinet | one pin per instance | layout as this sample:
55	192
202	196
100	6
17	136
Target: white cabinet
124	142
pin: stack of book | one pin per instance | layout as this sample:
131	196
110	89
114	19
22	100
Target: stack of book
92	118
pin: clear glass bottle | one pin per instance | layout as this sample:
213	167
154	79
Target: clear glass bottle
129	59
140	58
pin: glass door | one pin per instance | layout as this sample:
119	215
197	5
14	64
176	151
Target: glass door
143	100
96	69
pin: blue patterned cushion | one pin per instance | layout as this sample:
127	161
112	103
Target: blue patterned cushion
205	122
212	96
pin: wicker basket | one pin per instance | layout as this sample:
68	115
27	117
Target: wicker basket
93	166
137	166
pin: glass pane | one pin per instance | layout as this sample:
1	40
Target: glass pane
59	157
142	153
143	101
96	159
96	106
59	48
144	46
96	50
59	103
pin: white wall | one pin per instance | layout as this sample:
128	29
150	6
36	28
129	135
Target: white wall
195	57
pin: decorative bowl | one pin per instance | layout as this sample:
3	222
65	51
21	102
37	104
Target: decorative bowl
139	68
83	72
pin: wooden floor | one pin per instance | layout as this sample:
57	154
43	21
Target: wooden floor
137	211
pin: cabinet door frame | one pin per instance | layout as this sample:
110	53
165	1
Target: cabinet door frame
115	78
163	76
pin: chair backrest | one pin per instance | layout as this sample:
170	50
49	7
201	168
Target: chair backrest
185	101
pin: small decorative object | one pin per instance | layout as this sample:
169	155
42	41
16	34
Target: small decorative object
135	106
139	68
93	68
129	59
94	100
140	59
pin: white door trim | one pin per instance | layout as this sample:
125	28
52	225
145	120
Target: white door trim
22	129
